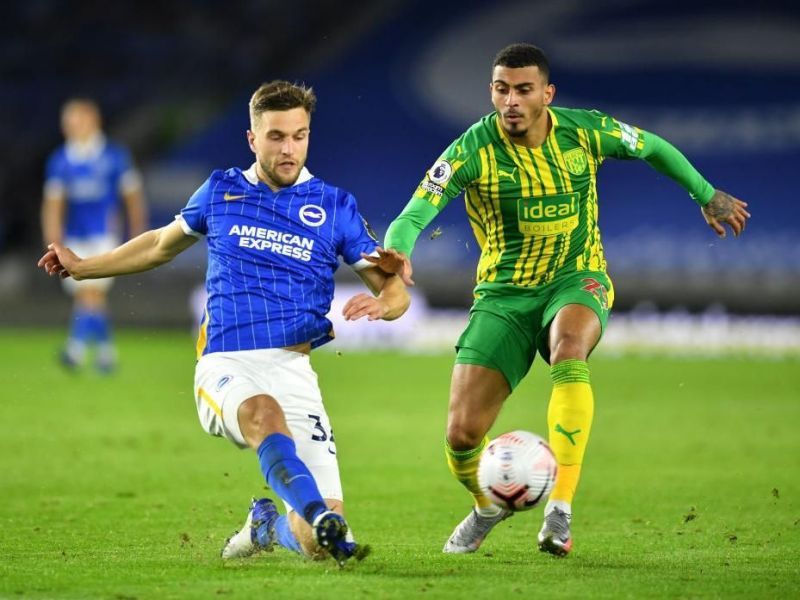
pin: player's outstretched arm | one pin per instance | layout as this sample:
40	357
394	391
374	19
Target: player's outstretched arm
724	208
391	299
392	262
719	209
142	253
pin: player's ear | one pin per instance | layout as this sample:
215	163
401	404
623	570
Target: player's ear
549	93
251	137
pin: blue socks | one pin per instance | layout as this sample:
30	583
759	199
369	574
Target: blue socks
284	535
289	477
100	327
82	326
87	327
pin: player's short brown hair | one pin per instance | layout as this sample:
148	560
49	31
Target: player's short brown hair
81	101
281	95
521	55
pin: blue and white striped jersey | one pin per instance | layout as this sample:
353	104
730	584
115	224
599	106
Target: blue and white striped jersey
91	177
271	258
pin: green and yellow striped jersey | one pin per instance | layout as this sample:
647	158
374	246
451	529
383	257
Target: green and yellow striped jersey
533	210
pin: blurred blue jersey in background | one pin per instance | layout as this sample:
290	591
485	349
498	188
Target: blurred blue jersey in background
92	177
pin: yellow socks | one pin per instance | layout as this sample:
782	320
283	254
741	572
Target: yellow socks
569	420
464	465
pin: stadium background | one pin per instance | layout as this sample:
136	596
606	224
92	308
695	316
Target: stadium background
396	82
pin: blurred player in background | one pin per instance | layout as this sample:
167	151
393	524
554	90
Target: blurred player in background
274	235
88	180
529	172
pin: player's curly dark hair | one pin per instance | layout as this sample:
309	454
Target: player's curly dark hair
281	95
520	55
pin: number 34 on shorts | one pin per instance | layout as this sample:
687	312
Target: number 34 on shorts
319	434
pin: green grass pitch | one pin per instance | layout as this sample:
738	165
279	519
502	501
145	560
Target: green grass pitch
110	489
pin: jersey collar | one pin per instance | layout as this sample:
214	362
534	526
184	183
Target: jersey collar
250	175
82	151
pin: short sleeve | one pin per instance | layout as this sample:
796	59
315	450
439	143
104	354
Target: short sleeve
193	216
128	178
356	236
55	181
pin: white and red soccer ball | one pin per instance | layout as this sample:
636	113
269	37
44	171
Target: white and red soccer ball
517	470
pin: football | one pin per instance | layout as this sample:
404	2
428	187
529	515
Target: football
517	470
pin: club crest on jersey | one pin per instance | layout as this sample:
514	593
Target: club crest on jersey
575	160
313	215
440	172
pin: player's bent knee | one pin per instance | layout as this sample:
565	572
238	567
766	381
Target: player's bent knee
569	347
460	436
465	430
259	417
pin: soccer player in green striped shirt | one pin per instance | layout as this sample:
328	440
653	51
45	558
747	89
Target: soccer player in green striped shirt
529	173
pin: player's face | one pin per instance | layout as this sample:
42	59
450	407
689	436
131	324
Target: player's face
80	121
520	96
279	139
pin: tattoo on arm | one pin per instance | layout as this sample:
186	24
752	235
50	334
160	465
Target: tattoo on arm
720	207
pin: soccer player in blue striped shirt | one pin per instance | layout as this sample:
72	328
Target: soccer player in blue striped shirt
275	234
87	181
